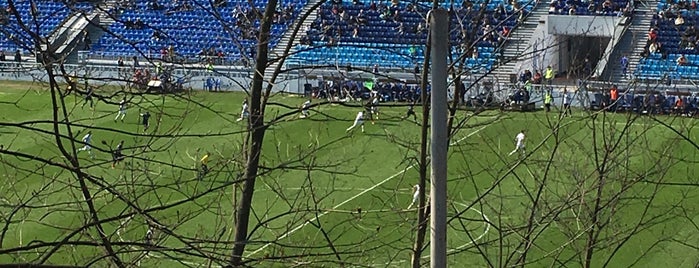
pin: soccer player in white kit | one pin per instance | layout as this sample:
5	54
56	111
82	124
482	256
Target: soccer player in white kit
416	195
122	110
87	140
358	121
304	109
519	139
244	113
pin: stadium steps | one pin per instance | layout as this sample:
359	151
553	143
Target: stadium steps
278	51
518	43
632	43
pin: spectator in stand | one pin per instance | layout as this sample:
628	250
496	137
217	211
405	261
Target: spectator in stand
400	29
397	17
120	61
624	65
682	60
18	56
654	47
679	21
2	55
652	35
361	18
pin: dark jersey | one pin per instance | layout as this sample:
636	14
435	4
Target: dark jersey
146	117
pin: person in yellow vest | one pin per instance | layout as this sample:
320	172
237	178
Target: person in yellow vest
549	74
548	99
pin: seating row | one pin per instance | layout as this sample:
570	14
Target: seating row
48	15
173	26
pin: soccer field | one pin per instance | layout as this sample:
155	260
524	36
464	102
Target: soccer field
619	184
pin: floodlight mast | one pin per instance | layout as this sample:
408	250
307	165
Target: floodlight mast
439	35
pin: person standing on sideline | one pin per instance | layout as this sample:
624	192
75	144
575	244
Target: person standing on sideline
87	144
122	110
624	65
304	108
117	154
358	121
549	74
244	113
566	103
613	96
547	100
519	146
145	116
416	195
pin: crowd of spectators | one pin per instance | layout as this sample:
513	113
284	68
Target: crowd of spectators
404	23
651	102
223	36
357	90
594	7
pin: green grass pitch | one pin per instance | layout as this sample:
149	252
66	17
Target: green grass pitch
316	177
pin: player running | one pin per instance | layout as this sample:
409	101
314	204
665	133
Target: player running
122	110
244	113
358	121
304	109
375	107
117	155
87	141
145	117
519	139
416	195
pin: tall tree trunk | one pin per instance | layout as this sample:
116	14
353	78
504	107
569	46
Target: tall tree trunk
257	129
422	210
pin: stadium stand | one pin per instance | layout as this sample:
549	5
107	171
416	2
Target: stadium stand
393	34
189	29
591	8
43	18
672	51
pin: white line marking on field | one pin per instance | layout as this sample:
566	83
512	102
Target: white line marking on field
290	232
486	223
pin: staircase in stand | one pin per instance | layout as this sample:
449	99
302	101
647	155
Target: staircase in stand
278	51
632	44
518	43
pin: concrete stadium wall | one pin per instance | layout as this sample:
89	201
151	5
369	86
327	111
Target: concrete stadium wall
599	26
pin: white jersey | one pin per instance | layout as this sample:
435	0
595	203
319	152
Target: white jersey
566	99
416	193
245	107
520	138
360	117
87	139
306	104
122	105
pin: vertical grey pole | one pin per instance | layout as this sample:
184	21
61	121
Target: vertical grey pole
439	30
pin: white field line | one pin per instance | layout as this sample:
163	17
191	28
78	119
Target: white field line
290	232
